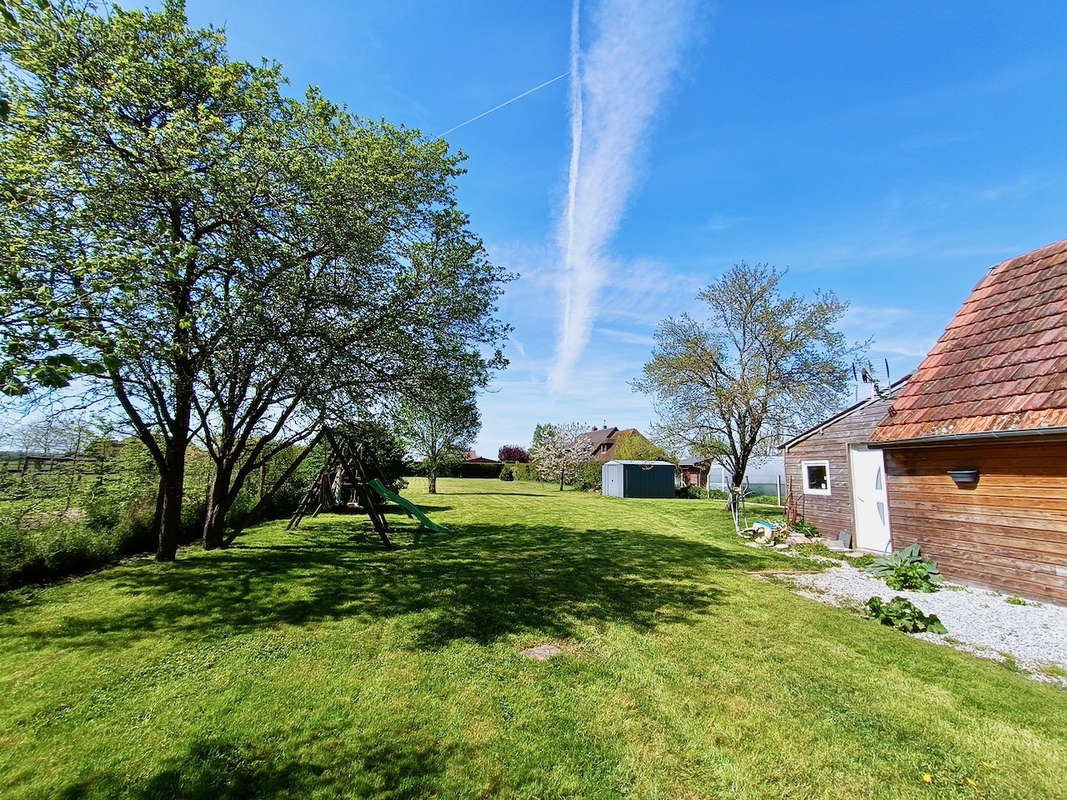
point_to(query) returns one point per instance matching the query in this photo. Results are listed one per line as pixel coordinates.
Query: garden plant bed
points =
(1026, 634)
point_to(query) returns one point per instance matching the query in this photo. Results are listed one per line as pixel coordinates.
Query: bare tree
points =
(761, 366)
(559, 450)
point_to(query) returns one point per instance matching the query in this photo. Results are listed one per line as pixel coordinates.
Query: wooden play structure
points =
(352, 480)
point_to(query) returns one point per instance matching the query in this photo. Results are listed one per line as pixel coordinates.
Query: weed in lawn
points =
(861, 561)
(1053, 671)
(818, 550)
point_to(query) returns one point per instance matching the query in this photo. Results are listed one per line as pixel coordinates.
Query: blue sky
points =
(890, 157)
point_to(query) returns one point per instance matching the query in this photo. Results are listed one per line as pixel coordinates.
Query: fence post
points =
(778, 487)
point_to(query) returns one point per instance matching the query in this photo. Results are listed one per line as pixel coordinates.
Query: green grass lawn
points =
(316, 665)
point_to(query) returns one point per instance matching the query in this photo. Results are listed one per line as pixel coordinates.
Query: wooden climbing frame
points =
(348, 461)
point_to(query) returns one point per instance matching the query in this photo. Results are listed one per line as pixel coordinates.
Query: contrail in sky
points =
(616, 86)
(539, 86)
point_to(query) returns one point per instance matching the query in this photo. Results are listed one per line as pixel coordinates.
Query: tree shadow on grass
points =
(392, 508)
(476, 583)
(222, 770)
(446, 493)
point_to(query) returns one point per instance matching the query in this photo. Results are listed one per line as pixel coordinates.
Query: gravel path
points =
(978, 621)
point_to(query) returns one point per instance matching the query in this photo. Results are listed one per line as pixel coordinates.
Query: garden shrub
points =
(587, 476)
(524, 472)
(58, 523)
(506, 473)
(52, 548)
(718, 494)
(476, 469)
(691, 493)
(805, 528)
(902, 614)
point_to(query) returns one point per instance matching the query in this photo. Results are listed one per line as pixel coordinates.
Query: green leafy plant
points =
(861, 562)
(587, 476)
(805, 528)
(906, 569)
(692, 493)
(903, 615)
(523, 472)
(506, 474)
(914, 577)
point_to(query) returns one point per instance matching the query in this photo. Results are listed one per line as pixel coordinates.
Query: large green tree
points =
(210, 252)
(337, 335)
(635, 447)
(761, 365)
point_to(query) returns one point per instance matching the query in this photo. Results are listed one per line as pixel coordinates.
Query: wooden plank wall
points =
(832, 513)
(1008, 531)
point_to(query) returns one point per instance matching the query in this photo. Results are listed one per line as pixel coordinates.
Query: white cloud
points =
(626, 337)
(616, 86)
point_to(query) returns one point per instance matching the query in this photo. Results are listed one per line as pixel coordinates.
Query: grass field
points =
(318, 666)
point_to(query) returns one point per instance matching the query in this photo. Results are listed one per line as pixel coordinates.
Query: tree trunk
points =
(736, 482)
(170, 518)
(157, 519)
(218, 506)
(562, 475)
(173, 483)
(431, 479)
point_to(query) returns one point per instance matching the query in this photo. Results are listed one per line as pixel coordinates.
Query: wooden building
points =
(976, 442)
(836, 481)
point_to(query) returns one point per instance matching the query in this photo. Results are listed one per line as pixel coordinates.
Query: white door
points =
(869, 499)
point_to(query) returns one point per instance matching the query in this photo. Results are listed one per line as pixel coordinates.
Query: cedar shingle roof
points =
(1001, 364)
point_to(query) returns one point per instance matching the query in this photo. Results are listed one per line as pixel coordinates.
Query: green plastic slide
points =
(412, 509)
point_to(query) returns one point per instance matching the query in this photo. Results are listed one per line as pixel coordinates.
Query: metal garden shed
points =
(637, 479)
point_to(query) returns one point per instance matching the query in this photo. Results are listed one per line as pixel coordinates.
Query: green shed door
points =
(654, 481)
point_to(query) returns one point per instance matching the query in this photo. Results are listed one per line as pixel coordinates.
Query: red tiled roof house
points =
(976, 442)
(603, 441)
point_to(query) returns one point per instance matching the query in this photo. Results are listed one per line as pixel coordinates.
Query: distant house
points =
(603, 441)
(694, 472)
(763, 476)
(976, 443)
(475, 466)
(836, 481)
(474, 459)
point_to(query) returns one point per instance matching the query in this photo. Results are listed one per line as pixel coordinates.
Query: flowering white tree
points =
(559, 451)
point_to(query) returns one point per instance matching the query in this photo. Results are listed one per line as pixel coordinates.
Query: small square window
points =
(816, 477)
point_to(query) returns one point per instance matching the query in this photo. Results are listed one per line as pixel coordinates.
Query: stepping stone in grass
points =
(541, 652)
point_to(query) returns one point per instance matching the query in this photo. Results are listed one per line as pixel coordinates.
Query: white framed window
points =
(816, 476)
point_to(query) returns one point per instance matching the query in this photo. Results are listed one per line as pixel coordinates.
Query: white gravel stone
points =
(978, 621)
